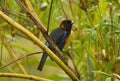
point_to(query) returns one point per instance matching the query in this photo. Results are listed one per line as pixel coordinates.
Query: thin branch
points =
(70, 3)
(89, 17)
(84, 6)
(20, 16)
(16, 33)
(72, 58)
(63, 10)
(49, 16)
(24, 76)
(1, 53)
(23, 57)
(31, 10)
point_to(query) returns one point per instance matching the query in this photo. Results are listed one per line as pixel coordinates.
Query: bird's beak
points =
(70, 24)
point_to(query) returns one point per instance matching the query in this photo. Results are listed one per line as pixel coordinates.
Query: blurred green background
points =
(95, 38)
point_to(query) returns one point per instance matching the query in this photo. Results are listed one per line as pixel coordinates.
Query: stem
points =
(70, 3)
(25, 76)
(49, 16)
(89, 17)
(72, 58)
(1, 54)
(30, 8)
(20, 58)
(63, 10)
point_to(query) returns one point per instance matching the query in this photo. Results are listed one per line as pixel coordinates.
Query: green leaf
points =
(90, 68)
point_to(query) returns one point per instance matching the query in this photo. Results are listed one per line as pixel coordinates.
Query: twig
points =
(1, 54)
(49, 16)
(9, 12)
(72, 58)
(16, 33)
(84, 6)
(25, 76)
(89, 17)
(31, 10)
(20, 59)
(63, 10)
(70, 3)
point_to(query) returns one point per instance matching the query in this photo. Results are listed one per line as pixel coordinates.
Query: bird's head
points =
(66, 24)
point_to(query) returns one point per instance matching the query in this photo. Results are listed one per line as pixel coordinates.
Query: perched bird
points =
(59, 36)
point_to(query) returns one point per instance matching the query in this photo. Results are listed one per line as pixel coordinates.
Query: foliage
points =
(95, 38)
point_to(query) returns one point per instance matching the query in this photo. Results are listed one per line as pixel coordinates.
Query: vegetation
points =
(93, 49)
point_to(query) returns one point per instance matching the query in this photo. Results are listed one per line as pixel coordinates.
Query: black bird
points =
(59, 36)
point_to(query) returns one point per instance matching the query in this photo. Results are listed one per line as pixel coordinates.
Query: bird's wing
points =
(58, 35)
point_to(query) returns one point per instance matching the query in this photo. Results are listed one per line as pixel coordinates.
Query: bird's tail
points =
(42, 62)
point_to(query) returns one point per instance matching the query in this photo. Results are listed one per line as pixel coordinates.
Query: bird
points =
(59, 36)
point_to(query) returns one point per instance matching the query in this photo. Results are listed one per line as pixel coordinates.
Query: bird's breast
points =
(66, 39)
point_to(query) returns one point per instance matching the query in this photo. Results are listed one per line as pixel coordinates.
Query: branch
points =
(70, 3)
(66, 16)
(1, 54)
(20, 58)
(17, 15)
(25, 76)
(72, 58)
(49, 16)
